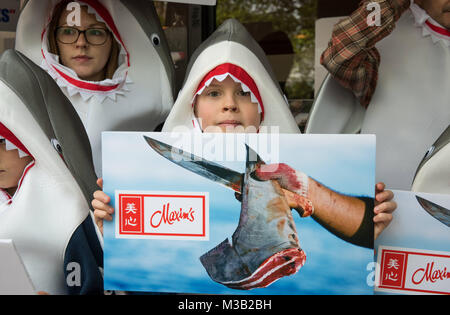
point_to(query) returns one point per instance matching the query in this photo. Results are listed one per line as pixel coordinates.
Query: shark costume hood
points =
(232, 51)
(138, 96)
(48, 217)
(411, 105)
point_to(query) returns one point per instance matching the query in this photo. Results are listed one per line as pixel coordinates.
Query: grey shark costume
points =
(140, 94)
(231, 44)
(48, 218)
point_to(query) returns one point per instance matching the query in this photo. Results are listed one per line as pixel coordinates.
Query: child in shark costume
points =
(48, 216)
(273, 249)
(138, 96)
(238, 56)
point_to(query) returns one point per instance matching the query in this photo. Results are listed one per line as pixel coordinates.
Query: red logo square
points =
(131, 214)
(393, 269)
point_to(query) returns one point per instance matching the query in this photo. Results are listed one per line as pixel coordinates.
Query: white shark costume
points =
(228, 51)
(411, 105)
(257, 254)
(140, 94)
(48, 217)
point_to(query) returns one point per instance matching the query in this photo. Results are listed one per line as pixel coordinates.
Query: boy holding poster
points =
(230, 88)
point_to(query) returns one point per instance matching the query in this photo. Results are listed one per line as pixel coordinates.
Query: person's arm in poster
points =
(349, 218)
(353, 219)
(351, 56)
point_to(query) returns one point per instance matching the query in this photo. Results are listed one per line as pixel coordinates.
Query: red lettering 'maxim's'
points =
(170, 217)
(429, 274)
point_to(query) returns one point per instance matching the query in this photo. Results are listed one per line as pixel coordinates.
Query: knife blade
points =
(207, 169)
(438, 212)
(213, 171)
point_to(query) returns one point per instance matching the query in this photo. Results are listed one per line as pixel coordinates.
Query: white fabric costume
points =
(227, 52)
(411, 105)
(140, 94)
(45, 214)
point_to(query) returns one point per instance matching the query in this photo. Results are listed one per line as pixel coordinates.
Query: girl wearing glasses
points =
(90, 49)
(109, 58)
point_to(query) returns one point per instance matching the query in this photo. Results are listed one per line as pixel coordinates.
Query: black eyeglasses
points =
(70, 35)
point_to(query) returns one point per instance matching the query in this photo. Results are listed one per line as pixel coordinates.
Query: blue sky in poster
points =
(344, 163)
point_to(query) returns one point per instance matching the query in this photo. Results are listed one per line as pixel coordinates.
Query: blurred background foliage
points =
(294, 17)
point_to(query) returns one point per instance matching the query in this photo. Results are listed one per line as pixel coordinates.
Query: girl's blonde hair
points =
(113, 61)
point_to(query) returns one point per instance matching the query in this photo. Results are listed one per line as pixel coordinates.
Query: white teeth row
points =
(10, 146)
(222, 77)
(421, 16)
(85, 94)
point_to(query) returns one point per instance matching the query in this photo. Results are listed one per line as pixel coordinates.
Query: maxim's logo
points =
(162, 215)
(404, 270)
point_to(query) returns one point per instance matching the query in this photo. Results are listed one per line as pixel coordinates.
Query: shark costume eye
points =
(56, 145)
(155, 39)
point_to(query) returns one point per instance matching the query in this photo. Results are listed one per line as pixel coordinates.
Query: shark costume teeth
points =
(232, 45)
(220, 73)
(429, 26)
(48, 217)
(140, 94)
(9, 145)
(12, 143)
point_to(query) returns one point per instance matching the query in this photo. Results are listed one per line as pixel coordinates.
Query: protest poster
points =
(413, 252)
(181, 227)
